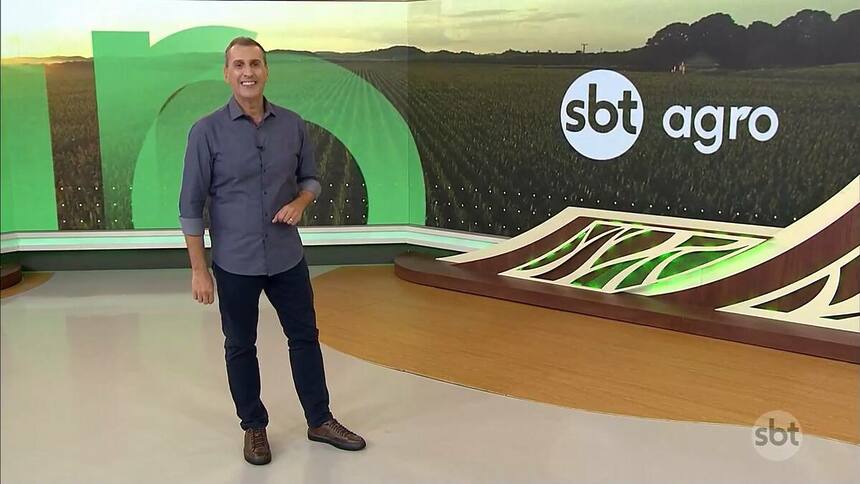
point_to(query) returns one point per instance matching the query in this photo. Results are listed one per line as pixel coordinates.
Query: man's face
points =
(245, 71)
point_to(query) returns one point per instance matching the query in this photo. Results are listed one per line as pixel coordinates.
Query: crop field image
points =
(78, 169)
(495, 159)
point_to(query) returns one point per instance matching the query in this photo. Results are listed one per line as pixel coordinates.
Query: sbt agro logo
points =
(602, 116)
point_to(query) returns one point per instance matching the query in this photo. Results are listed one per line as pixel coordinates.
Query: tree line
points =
(810, 37)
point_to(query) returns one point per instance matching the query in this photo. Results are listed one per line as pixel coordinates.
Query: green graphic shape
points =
(149, 98)
(638, 276)
(598, 278)
(690, 261)
(558, 252)
(133, 80)
(737, 262)
(27, 196)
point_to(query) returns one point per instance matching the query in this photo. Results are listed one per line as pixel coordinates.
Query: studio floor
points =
(118, 376)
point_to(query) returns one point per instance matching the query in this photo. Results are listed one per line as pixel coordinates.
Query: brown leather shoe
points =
(332, 432)
(257, 450)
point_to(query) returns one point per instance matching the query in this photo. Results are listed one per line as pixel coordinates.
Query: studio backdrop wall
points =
(701, 155)
(483, 116)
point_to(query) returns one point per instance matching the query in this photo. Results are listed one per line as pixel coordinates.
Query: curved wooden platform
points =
(10, 274)
(576, 360)
(29, 281)
(633, 308)
(794, 288)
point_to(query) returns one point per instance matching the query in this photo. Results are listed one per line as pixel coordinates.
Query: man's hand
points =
(291, 213)
(202, 287)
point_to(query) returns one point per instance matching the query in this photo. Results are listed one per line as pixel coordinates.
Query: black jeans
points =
(291, 295)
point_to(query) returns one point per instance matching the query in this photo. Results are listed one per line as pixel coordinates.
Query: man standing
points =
(254, 162)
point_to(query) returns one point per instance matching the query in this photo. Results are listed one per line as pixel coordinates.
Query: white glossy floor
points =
(118, 376)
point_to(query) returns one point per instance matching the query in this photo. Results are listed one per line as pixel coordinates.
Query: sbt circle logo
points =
(777, 435)
(602, 114)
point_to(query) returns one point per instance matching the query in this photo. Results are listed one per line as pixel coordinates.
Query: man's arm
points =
(308, 179)
(202, 287)
(291, 213)
(196, 177)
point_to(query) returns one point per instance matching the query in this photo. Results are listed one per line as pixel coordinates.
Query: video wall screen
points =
(479, 116)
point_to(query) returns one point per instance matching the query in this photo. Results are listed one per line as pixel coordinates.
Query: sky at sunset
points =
(62, 27)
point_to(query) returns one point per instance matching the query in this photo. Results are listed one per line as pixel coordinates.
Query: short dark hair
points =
(247, 41)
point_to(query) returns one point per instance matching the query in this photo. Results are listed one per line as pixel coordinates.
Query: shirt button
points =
(265, 193)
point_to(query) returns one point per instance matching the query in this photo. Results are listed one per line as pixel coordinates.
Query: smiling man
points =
(255, 164)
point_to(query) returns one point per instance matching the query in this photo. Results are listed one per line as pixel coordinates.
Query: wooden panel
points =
(10, 275)
(818, 252)
(650, 311)
(576, 360)
(849, 281)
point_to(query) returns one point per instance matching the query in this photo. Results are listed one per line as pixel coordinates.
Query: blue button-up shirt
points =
(248, 173)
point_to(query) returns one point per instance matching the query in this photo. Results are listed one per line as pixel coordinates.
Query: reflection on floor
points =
(118, 376)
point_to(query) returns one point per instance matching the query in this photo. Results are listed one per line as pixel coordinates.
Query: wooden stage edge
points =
(10, 275)
(29, 280)
(797, 338)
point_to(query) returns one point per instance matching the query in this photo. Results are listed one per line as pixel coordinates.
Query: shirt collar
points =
(236, 111)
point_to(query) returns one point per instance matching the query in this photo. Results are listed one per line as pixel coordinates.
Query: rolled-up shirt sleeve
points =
(196, 177)
(306, 169)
